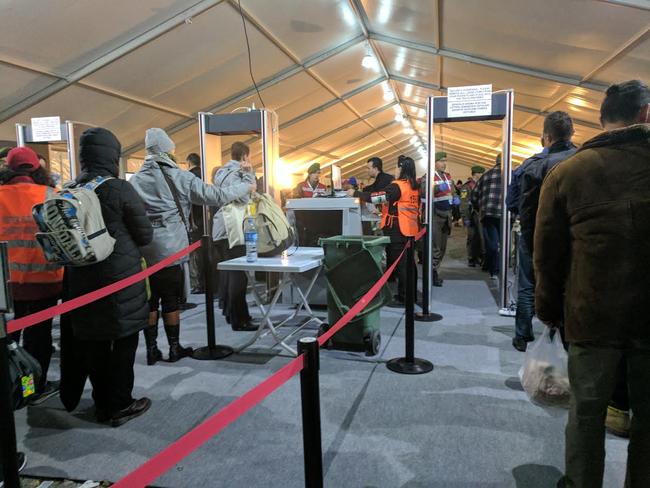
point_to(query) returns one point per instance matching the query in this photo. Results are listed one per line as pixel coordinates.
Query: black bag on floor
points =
(24, 374)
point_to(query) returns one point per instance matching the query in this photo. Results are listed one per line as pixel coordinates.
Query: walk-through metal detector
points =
(437, 113)
(212, 127)
(70, 132)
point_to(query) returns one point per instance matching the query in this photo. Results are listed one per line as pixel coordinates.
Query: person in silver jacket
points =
(232, 284)
(160, 183)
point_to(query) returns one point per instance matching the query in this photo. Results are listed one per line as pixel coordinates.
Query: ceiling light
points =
(399, 117)
(409, 131)
(414, 139)
(388, 96)
(369, 61)
(405, 122)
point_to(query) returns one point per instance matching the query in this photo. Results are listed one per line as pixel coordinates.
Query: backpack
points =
(274, 232)
(73, 231)
(24, 374)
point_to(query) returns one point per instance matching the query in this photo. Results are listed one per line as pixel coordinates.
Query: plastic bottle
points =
(250, 237)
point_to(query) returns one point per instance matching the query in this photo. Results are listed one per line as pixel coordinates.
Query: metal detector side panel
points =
(242, 123)
(5, 290)
(499, 110)
(270, 154)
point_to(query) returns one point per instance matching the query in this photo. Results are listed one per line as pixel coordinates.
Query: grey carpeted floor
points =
(466, 424)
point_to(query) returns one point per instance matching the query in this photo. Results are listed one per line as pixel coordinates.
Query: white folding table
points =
(299, 261)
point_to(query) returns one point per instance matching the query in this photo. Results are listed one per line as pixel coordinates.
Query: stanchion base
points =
(427, 317)
(405, 366)
(208, 353)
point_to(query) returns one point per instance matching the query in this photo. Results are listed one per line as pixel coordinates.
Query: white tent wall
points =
(159, 62)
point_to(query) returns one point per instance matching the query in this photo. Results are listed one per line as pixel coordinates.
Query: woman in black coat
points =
(107, 330)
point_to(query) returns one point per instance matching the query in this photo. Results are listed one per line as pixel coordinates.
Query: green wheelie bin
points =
(353, 264)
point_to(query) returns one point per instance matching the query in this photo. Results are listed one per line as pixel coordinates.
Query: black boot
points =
(153, 353)
(176, 351)
(436, 281)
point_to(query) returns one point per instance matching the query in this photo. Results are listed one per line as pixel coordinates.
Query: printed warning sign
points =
(46, 129)
(469, 101)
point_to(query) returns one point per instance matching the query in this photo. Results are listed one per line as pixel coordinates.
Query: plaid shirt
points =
(486, 197)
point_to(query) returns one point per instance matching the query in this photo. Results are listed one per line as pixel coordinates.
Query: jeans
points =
(593, 369)
(492, 235)
(525, 293)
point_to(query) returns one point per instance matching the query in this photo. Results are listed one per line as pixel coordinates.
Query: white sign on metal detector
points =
(469, 101)
(45, 129)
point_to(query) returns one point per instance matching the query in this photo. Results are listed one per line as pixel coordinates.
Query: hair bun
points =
(613, 90)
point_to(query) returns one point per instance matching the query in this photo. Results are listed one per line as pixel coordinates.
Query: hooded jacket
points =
(125, 312)
(170, 231)
(227, 179)
(592, 259)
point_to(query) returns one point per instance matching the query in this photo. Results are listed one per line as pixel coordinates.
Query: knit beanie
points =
(314, 168)
(478, 169)
(441, 155)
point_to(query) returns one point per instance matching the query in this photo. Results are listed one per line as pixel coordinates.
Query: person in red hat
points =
(35, 283)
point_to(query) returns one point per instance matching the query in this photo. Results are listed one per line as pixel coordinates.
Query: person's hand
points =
(252, 188)
(350, 192)
(551, 324)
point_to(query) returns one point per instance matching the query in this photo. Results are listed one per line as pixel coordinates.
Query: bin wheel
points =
(321, 330)
(373, 341)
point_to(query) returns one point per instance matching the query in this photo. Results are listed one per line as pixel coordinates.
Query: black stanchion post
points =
(410, 364)
(310, 396)
(426, 315)
(212, 350)
(8, 453)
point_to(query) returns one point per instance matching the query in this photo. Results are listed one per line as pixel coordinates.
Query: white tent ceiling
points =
(155, 63)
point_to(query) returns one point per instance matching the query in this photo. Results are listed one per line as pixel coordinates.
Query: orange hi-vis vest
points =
(408, 210)
(27, 262)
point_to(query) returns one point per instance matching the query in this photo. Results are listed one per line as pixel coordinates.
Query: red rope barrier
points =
(48, 313)
(175, 452)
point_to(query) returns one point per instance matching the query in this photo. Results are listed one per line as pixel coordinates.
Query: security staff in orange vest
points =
(35, 283)
(400, 218)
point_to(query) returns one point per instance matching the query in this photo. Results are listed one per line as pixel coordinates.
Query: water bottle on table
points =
(250, 237)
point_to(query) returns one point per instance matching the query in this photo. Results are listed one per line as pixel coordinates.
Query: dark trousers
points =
(197, 268)
(492, 235)
(593, 372)
(37, 339)
(525, 292)
(393, 252)
(110, 368)
(232, 287)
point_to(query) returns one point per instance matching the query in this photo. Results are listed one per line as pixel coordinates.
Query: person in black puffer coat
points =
(107, 330)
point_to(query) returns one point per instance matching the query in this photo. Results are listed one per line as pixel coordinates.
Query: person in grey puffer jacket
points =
(171, 232)
(232, 284)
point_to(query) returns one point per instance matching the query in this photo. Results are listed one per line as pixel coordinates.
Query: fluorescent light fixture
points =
(414, 139)
(388, 96)
(369, 61)
(399, 118)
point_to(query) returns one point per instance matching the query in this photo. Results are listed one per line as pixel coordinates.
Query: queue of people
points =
(583, 259)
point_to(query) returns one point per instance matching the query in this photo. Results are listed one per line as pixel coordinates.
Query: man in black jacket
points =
(558, 130)
(382, 180)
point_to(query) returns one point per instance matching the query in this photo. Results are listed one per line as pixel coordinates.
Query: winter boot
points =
(436, 280)
(150, 337)
(176, 351)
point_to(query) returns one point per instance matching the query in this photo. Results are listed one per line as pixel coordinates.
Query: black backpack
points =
(24, 374)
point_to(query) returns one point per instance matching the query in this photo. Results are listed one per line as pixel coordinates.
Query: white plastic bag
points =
(545, 375)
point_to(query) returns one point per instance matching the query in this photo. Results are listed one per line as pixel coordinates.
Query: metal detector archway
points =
(262, 123)
(437, 112)
(69, 133)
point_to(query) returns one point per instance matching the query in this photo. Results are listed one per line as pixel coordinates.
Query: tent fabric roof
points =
(130, 65)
